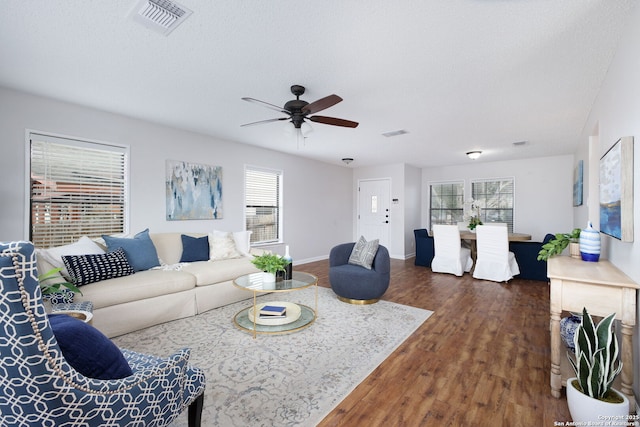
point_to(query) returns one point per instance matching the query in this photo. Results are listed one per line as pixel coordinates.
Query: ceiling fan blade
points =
(333, 121)
(265, 121)
(266, 104)
(321, 104)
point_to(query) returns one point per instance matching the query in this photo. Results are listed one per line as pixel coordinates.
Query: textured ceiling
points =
(458, 75)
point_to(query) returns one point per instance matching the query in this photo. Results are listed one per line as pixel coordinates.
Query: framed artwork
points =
(194, 191)
(616, 190)
(577, 183)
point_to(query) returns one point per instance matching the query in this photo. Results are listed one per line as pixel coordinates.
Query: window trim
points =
(72, 141)
(280, 173)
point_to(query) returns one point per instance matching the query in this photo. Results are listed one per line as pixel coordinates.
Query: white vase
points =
(589, 411)
(268, 280)
(590, 244)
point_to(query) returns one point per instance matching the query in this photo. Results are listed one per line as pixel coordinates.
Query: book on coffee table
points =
(273, 310)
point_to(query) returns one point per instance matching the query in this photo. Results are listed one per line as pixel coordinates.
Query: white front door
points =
(373, 210)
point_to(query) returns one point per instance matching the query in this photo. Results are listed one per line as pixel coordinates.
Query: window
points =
(446, 203)
(77, 188)
(495, 197)
(263, 201)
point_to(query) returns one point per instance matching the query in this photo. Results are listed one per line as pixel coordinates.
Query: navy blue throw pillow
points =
(195, 248)
(88, 350)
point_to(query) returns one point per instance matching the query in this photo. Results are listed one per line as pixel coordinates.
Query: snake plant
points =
(596, 361)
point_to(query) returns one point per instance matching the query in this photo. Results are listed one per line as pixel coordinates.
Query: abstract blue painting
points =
(616, 190)
(194, 191)
(577, 183)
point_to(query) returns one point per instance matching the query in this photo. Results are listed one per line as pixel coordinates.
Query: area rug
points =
(282, 380)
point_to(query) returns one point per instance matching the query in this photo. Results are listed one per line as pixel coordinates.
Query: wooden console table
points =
(602, 289)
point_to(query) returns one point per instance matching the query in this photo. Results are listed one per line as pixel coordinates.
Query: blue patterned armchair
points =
(38, 387)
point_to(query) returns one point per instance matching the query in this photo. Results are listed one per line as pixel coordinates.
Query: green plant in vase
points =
(48, 286)
(558, 244)
(270, 263)
(590, 395)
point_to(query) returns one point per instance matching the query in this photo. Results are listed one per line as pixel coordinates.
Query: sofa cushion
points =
(140, 251)
(194, 248)
(87, 350)
(222, 245)
(363, 253)
(143, 284)
(85, 269)
(209, 272)
(53, 256)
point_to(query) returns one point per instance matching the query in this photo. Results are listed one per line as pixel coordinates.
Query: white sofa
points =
(155, 296)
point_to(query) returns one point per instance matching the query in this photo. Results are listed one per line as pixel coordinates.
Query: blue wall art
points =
(193, 191)
(577, 183)
(616, 190)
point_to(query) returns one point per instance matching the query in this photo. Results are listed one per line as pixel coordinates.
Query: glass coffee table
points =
(298, 316)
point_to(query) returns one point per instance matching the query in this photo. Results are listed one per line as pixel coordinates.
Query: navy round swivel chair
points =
(355, 284)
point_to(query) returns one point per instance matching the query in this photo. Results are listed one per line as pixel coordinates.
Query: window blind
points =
(78, 188)
(446, 203)
(496, 199)
(263, 204)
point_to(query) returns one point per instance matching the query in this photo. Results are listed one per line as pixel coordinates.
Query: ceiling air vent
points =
(162, 16)
(394, 133)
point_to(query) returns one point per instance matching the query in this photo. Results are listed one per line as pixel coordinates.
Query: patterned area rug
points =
(285, 380)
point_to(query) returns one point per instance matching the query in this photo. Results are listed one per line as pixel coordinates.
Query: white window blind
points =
(78, 188)
(446, 203)
(496, 200)
(263, 189)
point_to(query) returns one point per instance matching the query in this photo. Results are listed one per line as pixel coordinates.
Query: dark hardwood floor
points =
(482, 358)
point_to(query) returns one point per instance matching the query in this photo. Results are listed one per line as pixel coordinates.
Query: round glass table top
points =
(253, 282)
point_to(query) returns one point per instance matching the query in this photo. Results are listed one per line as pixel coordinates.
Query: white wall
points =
(412, 207)
(543, 190)
(318, 197)
(616, 113)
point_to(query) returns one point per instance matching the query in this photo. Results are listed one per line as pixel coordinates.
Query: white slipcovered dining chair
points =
(450, 256)
(494, 261)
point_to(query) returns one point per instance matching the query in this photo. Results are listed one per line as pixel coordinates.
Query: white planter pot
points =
(586, 409)
(268, 280)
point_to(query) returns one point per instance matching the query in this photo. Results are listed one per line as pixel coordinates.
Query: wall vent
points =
(162, 16)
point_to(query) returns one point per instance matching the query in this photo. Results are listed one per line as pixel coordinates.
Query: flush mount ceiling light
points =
(347, 160)
(474, 154)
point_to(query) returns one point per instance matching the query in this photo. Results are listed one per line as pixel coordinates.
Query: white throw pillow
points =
(243, 242)
(222, 245)
(84, 246)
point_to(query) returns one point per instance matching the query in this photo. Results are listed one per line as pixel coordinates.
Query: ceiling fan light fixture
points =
(474, 154)
(305, 129)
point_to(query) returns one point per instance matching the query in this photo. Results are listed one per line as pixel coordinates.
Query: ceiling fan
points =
(298, 111)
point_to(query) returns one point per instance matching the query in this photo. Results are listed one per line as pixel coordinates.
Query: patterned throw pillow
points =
(85, 269)
(364, 252)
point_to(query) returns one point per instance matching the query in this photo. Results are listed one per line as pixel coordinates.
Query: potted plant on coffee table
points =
(270, 264)
(589, 395)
